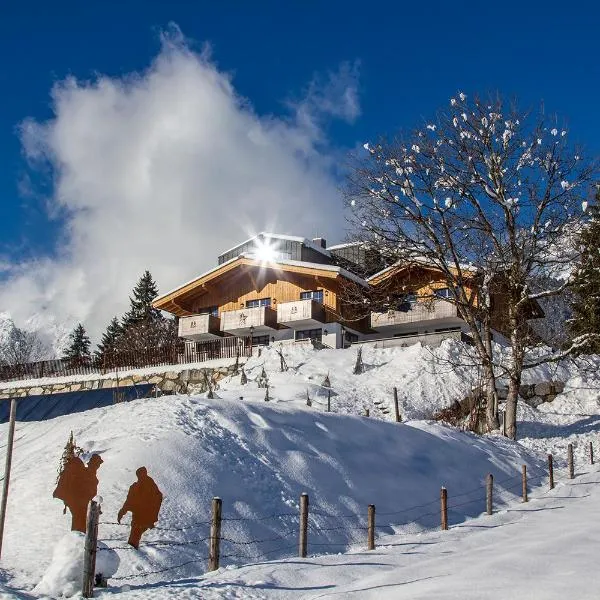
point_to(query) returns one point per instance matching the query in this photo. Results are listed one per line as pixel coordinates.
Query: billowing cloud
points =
(163, 170)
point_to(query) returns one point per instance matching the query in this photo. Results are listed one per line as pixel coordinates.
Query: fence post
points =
(89, 551)
(396, 407)
(524, 482)
(7, 467)
(444, 507)
(570, 461)
(215, 534)
(591, 453)
(371, 528)
(367, 412)
(303, 540)
(489, 490)
(550, 472)
(328, 400)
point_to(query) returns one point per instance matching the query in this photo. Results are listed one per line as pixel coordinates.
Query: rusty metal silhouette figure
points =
(143, 501)
(77, 485)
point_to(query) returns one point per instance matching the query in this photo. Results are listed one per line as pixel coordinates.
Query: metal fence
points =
(181, 352)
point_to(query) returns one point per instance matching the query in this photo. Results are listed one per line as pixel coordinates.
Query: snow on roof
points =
(293, 263)
(281, 236)
(345, 245)
(201, 276)
(415, 261)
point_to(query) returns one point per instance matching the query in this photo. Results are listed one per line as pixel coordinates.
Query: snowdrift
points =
(258, 457)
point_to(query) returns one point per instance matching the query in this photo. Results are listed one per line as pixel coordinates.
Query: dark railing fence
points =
(180, 352)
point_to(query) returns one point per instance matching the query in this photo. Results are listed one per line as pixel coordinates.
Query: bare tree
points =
(484, 193)
(22, 347)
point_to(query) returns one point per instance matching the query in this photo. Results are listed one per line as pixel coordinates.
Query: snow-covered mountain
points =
(53, 334)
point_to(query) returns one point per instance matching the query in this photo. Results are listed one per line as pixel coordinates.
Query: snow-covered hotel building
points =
(279, 288)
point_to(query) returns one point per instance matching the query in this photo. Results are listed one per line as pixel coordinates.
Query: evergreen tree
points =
(586, 305)
(78, 352)
(141, 309)
(110, 339)
(144, 328)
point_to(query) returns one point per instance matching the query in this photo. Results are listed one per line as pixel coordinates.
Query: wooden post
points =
(215, 535)
(524, 482)
(489, 490)
(444, 508)
(591, 453)
(7, 466)
(367, 413)
(550, 472)
(570, 461)
(371, 527)
(89, 551)
(396, 407)
(328, 400)
(303, 539)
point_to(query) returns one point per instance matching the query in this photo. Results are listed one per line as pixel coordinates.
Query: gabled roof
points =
(406, 264)
(168, 301)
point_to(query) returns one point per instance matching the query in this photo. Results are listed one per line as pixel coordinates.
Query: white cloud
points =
(163, 170)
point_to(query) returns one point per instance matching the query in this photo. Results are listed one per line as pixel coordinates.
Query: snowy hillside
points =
(258, 457)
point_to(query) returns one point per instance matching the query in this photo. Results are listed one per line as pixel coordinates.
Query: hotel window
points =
(259, 302)
(444, 293)
(309, 334)
(316, 295)
(260, 340)
(209, 310)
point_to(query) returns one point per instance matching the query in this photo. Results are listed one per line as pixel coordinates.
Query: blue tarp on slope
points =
(41, 408)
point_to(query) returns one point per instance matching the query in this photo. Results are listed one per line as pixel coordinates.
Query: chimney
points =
(320, 242)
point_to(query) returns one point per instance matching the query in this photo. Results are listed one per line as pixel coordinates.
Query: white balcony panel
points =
(262, 319)
(199, 327)
(435, 310)
(301, 314)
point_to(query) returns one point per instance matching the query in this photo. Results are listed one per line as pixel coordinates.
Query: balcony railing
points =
(414, 313)
(200, 327)
(300, 313)
(240, 322)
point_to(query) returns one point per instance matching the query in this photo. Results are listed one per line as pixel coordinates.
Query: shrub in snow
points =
(63, 577)
(263, 380)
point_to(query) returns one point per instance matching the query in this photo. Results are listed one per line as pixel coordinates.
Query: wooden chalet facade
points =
(272, 298)
(278, 288)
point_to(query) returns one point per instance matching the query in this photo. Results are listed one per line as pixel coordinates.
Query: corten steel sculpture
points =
(143, 501)
(77, 485)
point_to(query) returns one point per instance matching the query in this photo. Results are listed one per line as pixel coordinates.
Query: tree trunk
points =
(511, 409)
(491, 392)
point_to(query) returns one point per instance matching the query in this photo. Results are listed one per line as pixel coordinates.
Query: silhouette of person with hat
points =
(143, 501)
(77, 485)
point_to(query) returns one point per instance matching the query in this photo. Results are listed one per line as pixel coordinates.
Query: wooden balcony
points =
(301, 314)
(431, 310)
(262, 319)
(200, 327)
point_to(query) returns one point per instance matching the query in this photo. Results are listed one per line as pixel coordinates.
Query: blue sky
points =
(408, 59)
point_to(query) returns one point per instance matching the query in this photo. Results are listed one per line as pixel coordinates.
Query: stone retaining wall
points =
(187, 381)
(535, 394)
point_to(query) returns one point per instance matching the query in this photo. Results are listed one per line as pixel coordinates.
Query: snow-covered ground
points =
(544, 550)
(259, 457)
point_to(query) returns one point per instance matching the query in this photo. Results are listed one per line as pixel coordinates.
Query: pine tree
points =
(144, 327)
(109, 342)
(141, 308)
(586, 306)
(78, 352)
